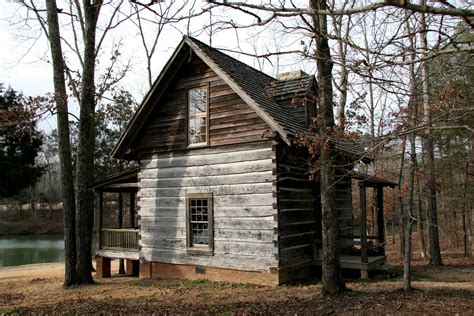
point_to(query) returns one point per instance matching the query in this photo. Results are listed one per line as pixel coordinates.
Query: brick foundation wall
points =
(145, 270)
(102, 267)
(158, 270)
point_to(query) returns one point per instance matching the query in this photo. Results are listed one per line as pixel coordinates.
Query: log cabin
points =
(220, 192)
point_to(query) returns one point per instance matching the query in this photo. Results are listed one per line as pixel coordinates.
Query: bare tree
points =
(333, 282)
(70, 275)
(435, 252)
(165, 14)
(85, 47)
(413, 166)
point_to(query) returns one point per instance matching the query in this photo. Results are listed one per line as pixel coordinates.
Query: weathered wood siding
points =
(299, 208)
(344, 206)
(296, 208)
(241, 180)
(232, 121)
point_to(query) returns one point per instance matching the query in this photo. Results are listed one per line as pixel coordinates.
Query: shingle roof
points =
(272, 99)
(352, 148)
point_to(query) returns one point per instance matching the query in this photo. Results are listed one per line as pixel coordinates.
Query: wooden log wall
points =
(296, 209)
(299, 209)
(241, 180)
(344, 207)
(232, 121)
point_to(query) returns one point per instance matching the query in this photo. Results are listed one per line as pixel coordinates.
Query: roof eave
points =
(252, 103)
(120, 147)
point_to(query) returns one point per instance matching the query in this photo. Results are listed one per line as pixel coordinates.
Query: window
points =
(200, 230)
(197, 116)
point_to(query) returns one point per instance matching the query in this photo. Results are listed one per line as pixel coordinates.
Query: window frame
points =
(206, 143)
(206, 250)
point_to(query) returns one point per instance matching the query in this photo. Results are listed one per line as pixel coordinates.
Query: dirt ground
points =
(38, 289)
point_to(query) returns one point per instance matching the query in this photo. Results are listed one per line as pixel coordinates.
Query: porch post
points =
(100, 218)
(132, 209)
(120, 222)
(120, 210)
(380, 219)
(363, 223)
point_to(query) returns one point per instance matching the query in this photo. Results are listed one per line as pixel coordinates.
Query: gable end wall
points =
(231, 120)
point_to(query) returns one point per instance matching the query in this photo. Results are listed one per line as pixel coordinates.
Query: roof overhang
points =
(368, 180)
(228, 80)
(126, 181)
(180, 55)
(151, 98)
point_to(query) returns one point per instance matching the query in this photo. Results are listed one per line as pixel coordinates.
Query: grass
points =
(6, 310)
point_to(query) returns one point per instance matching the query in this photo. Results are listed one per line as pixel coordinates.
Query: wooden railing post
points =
(132, 209)
(120, 223)
(380, 219)
(100, 205)
(363, 223)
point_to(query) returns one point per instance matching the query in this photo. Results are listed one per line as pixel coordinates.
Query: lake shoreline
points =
(30, 266)
(18, 250)
(27, 222)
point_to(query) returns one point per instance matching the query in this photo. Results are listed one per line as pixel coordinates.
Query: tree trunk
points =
(332, 281)
(435, 252)
(413, 167)
(393, 220)
(421, 231)
(455, 229)
(407, 256)
(410, 212)
(344, 73)
(85, 147)
(466, 234)
(65, 159)
(400, 198)
(466, 226)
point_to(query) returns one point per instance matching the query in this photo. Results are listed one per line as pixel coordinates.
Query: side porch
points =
(117, 232)
(359, 250)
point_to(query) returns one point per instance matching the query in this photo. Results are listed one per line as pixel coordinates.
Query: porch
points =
(361, 251)
(117, 232)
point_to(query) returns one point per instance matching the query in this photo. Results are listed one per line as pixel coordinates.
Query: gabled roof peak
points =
(249, 83)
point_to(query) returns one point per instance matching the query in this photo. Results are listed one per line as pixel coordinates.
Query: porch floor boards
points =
(355, 262)
(118, 253)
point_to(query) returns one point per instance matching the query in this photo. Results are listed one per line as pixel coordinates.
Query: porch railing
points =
(119, 239)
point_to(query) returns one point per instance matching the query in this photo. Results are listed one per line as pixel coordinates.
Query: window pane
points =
(197, 130)
(197, 101)
(197, 108)
(199, 221)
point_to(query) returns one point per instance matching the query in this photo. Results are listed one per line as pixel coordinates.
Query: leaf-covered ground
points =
(37, 289)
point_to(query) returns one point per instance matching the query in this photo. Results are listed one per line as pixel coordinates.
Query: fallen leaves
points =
(32, 294)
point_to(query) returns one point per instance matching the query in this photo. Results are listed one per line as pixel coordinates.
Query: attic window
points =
(197, 116)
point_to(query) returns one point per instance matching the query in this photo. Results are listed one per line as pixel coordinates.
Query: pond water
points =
(17, 250)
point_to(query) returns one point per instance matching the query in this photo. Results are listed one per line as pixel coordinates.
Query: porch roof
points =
(372, 181)
(125, 181)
